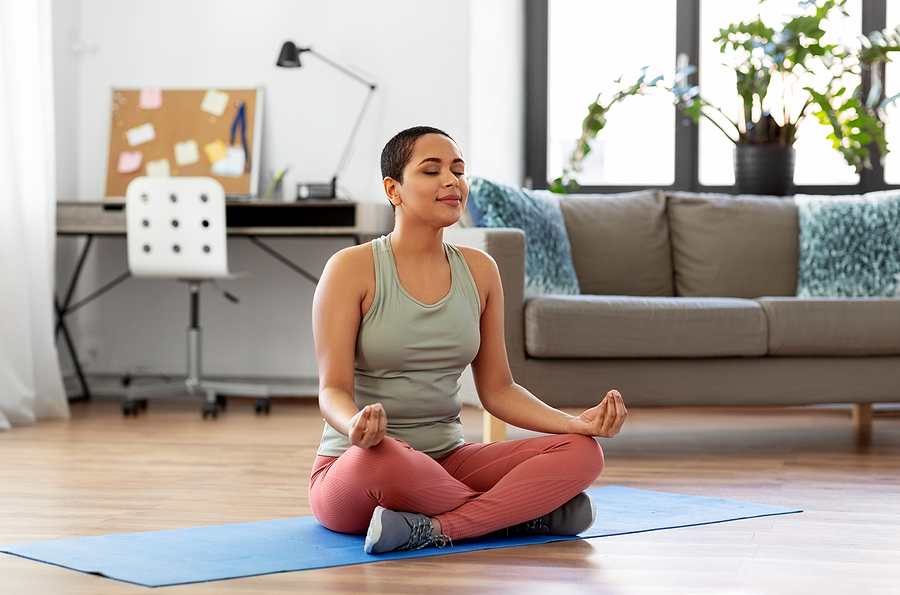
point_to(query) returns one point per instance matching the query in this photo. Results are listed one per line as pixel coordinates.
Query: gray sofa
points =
(690, 300)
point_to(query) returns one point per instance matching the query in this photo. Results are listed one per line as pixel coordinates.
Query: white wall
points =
(451, 64)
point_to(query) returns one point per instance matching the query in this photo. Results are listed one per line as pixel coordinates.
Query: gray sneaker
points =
(395, 531)
(571, 518)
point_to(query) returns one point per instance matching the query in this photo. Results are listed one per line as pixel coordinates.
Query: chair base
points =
(213, 393)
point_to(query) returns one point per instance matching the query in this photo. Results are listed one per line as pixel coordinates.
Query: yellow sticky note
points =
(214, 102)
(186, 152)
(215, 150)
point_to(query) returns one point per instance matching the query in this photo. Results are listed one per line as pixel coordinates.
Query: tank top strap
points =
(462, 276)
(384, 271)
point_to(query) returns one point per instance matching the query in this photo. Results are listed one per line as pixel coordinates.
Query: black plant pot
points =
(764, 169)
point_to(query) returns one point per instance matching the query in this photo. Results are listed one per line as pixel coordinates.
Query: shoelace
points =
(423, 535)
(535, 526)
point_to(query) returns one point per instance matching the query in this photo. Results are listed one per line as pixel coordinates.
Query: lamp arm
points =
(346, 155)
(349, 147)
(333, 64)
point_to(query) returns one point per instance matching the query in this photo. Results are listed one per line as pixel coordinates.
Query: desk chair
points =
(175, 228)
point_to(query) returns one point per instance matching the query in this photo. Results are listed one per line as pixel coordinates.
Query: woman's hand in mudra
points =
(368, 427)
(604, 420)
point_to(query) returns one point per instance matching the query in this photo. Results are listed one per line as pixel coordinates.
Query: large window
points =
(578, 48)
(892, 88)
(589, 49)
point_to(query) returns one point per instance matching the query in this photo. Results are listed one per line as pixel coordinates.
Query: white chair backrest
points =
(176, 228)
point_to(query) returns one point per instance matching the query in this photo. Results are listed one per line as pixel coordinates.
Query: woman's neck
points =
(418, 244)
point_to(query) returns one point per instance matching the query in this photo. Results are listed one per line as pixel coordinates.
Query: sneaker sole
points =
(373, 534)
(593, 514)
(576, 503)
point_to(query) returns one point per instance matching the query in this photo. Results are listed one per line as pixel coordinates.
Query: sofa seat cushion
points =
(593, 326)
(734, 246)
(620, 243)
(833, 326)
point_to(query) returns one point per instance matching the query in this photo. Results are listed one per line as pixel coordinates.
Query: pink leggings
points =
(473, 490)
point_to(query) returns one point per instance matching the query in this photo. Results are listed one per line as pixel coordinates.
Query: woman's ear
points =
(392, 190)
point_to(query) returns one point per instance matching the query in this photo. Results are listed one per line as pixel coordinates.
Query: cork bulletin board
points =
(193, 132)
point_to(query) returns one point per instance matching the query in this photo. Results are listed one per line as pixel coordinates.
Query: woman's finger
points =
(618, 413)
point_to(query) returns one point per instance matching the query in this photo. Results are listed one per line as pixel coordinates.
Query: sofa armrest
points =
(507, 247)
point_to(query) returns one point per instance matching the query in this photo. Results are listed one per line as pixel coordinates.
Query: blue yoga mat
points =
(179, 556)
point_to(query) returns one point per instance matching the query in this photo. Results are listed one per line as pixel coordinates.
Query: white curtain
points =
(30, 381)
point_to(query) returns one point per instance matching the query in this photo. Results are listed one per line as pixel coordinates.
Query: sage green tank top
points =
(410, 355)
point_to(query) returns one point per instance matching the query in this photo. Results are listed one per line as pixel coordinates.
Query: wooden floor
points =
(101, 473)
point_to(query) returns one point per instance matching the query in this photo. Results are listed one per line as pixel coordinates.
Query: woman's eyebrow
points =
(438, 160)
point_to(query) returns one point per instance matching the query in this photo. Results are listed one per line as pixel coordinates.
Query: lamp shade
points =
(289, 57)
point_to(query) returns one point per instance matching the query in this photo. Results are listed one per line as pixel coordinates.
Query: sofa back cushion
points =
(620, 243)
(734, 246)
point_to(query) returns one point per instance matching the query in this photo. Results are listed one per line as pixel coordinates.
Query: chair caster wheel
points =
(132, 408)
(210, 409)
(263, 405)
(222, 402)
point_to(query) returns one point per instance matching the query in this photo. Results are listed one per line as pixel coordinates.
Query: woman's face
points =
(434, 181)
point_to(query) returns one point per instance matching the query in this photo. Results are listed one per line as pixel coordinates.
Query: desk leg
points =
(67, 307)
(283, 259)
(63, 309)
(61, 326)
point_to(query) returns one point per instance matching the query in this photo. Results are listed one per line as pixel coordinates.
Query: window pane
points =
(591, 44)
(891, 88)
(816, 161)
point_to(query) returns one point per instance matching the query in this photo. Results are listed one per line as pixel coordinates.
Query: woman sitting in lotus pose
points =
(396, 321)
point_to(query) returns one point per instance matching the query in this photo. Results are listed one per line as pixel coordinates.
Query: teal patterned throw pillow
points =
(548, 254)
(849, 246)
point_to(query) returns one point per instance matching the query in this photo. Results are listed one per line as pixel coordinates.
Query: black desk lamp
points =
(290, 58)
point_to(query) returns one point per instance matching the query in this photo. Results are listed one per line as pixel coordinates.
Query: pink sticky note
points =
(129, 161)
(151, 99)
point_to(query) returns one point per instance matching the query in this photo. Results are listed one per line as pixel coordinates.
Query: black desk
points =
(251, 219)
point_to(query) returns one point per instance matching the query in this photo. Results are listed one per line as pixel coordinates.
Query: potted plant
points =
(783, 75)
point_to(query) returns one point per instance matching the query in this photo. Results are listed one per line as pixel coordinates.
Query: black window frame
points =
(687, 146)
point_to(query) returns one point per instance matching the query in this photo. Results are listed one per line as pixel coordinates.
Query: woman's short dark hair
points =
(398, 151)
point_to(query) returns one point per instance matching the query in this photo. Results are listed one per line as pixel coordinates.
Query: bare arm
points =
(499, 393)
(337, 312)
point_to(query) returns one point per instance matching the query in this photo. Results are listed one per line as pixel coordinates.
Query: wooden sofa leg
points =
(862, 418)
(494, 430)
